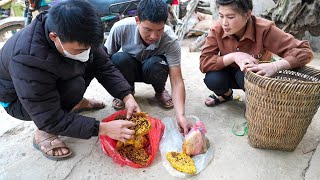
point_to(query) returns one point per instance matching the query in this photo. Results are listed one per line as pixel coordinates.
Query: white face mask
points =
(83, 57)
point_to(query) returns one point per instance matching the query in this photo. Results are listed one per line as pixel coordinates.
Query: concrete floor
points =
(233, 158)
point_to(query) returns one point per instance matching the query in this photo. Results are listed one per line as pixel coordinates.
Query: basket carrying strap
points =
(245, 129)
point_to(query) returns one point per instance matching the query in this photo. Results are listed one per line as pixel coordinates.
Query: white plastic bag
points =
(195, 141)
(172, 140)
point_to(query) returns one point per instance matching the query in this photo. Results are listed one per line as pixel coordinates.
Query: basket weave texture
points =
(280, 109)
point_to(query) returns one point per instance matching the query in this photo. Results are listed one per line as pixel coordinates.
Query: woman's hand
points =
(264, 69)
(269, 69)
(240, 58)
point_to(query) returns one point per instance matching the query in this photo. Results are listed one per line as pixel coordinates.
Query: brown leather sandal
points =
(164, 99)
(87, 105)
(46, 141)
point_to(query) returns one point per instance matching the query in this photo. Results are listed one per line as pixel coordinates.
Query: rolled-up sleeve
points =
(297, 53)
(210, 59)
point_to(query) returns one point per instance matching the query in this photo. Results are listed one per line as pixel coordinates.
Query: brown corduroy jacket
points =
(261, 39)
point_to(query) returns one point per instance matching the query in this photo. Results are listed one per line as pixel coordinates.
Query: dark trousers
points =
(221, 81)
(153, 70)
(71, 93)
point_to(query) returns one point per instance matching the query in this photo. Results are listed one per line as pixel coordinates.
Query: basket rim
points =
(250, 73)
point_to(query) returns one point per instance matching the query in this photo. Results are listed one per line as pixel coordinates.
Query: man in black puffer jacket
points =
(45, 69)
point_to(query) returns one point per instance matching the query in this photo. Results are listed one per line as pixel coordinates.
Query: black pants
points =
(153, 70)
(71, 92)
(221, 81)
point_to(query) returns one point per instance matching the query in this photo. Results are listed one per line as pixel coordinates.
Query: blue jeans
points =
(153, 70)
(221, 81)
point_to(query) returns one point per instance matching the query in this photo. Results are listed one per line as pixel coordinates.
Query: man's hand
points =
(131, 105)
(117, 129)
(184, 125)
(178, 98)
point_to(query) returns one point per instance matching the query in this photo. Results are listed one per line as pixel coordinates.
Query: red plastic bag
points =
(109, 145)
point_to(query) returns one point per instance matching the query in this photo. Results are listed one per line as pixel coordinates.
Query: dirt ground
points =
(233, 158)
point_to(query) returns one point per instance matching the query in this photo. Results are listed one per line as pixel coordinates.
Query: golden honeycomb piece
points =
(134, 149)
(181, 162)
(143, 125)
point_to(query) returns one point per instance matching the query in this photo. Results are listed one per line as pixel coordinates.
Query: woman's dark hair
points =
(241, 6)
(76, 21)
(155, 11)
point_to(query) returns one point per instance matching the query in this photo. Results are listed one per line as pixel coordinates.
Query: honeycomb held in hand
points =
(142, 126)
(138, 142)
(135, 149)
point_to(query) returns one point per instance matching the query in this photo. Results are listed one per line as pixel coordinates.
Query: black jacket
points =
(31, 66)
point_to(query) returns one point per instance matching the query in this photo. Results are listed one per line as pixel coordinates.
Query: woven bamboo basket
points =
(280, 109)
